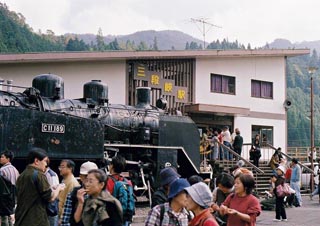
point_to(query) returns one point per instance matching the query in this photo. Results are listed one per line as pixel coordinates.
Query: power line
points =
(203, 29)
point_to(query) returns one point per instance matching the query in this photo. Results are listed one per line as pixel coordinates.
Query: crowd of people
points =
(211, 140)
(191, 202)
(36, 197)
(93, 200)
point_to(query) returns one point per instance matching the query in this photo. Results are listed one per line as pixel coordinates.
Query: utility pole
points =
(311, 71)
(203, 30)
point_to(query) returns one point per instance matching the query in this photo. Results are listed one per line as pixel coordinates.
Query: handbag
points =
(283, 190)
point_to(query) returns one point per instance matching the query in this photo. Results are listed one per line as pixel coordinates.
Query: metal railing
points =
(242, 157)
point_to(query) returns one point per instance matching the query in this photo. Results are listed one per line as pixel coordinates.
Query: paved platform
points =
(307, 215)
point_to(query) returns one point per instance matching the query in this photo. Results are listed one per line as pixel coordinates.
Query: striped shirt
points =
(9, 172)
(170, 218)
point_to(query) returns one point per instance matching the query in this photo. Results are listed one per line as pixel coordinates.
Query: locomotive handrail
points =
(239, 156)
(155, 147)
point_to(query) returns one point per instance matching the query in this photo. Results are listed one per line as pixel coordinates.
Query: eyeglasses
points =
(62, 167)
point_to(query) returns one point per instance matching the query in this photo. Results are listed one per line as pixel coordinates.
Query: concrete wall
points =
(75, 75)
(270, 69)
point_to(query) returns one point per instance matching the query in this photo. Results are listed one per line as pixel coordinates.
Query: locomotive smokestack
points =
(143, 97)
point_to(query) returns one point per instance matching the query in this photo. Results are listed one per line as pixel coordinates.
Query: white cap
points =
(87, 166)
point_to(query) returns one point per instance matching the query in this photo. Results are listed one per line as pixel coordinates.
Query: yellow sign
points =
(155, 79)
(181, 94)
(141, 72)
(168, 87)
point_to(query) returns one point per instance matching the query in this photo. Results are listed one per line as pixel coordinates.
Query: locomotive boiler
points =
(93, 128)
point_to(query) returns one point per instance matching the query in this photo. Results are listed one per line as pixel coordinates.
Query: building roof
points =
(131, 55)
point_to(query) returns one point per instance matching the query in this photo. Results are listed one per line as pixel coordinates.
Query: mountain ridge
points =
(166, 39)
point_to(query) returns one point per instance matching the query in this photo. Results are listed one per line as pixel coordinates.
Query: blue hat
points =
(177, 186)
(168, 175)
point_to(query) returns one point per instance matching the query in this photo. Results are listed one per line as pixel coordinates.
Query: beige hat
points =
(87, 166)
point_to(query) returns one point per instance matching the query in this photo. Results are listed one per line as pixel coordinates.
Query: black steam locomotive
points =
(93, 129)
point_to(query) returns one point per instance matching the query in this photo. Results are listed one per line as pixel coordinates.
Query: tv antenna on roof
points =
(204, 30)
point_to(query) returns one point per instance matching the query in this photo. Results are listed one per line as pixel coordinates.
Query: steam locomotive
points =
(91, 128)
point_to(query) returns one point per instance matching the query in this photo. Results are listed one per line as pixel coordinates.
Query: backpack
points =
(52, 208)
(123, 191)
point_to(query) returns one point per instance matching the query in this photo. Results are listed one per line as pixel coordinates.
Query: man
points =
(167, 176)
(237, 142)
(71, 203)
(32, 197)
(66, 169)
(225, 183)
(226, 137)
(11, 174)
(296, 179)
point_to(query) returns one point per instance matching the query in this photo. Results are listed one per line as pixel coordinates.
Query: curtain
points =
(216, 83)
(255, 88)
(266, 89)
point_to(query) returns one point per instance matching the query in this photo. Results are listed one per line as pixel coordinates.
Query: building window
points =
(265, 133)
(261, 89)
(223, 84)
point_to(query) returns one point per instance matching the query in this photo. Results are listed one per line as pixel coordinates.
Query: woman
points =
(199, 200)
(241, 207)
(255, 152)
(280, 210)
(172, 212)
(100, 208)
(274, 162)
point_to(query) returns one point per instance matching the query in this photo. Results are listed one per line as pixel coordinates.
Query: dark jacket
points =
(159, 197)
(238, 142)
(7, 197)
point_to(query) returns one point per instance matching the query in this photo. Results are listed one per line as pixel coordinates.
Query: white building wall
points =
(75, 75)
(270, 69)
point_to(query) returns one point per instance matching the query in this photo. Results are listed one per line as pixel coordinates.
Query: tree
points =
(101, 46)
(142, 46)
(155, 44)
(187, 45)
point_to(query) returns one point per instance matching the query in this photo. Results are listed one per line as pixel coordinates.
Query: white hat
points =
(282, 168)
(86, 167)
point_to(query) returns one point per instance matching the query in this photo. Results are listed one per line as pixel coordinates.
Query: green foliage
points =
(298, 91)
(17, 37)
(76, 45)
(225, 44)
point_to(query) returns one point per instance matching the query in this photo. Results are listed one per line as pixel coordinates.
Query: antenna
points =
(203, 30)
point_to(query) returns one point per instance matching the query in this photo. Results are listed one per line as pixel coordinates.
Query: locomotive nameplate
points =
(52, 128)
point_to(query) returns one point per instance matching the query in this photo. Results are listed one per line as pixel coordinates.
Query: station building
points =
(243, 89)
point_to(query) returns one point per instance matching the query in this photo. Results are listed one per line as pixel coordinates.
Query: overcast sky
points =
(248, 21)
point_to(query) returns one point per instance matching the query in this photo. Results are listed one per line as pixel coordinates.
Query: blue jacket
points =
(296, 174)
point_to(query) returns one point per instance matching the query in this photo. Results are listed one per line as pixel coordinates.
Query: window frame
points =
(262, 129)
(261, 83)
(221, 90)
